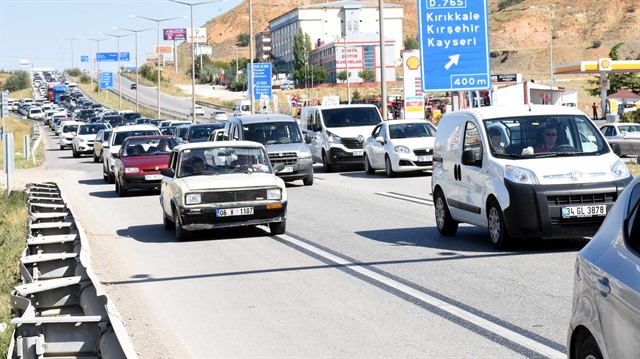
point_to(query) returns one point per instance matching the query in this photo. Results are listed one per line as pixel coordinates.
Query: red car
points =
(138, 163)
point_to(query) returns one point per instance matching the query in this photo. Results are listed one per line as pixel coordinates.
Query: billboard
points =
(174, 34)
(204, 50)
(163, 49)
(151, 56)
(413, 99)
(199, 35)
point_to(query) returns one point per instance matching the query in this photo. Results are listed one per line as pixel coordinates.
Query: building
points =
(263, 45)
(327, 23)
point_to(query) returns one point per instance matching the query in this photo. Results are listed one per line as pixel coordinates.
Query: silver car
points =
(605, 321)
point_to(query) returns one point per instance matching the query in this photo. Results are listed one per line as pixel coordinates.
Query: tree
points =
(410, 42)
(356, 95)
(75, 72)
(617, 81)
(342, 75)
(366, 75)
(19, 80)
(243, 40)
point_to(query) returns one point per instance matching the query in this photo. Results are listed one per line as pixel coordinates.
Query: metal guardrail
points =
(60, 309)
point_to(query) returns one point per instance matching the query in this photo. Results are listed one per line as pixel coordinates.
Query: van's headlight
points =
(131, 170)
(275, 193)
(520, 175)
(193, 198)
(401, 149)
(619, 170)
(333, 138)
(80, 139)
(304, 154)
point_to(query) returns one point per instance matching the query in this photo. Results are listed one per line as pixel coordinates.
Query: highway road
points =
(361, 272)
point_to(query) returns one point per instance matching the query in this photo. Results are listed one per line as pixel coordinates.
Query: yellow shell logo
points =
(605, 64)
(413, 63)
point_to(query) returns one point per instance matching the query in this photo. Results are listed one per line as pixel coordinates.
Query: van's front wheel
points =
(447, 226)
(328, 168)
(500, 238)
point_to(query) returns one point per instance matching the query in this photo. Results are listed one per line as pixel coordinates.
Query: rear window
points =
(121, 136)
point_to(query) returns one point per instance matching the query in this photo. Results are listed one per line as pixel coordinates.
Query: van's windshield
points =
(544, 136)
(271, 133)
(351, 116)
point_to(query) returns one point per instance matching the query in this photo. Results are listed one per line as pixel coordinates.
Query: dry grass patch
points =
(19, 128)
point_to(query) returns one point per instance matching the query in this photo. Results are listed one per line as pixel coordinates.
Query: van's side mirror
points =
(316, 127)
(167, 172)
(116, 155)
(307, 139)
(469, 158)
(616, 149)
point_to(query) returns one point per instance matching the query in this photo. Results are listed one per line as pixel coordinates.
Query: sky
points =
(36, 30)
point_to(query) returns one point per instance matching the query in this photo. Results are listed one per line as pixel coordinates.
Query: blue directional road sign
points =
(107, 56)
(261, 79)
(84, 58)
(124, 56)
(454, 45)
(106, 80)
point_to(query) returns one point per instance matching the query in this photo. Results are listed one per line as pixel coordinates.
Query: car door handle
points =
(603, 286)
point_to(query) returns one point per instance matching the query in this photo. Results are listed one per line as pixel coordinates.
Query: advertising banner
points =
(174, 34)
(199, 35)
(163, 49)
(413, 98)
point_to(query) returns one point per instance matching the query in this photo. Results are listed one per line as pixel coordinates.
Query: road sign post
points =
(106, 80)
(454, 45)
(8, 157)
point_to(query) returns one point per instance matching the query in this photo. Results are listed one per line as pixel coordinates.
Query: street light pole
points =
(136, 33)
(72, 40)
(158, 21)
(550, 10)
(346, 64)
(193, 62)
(98, 62)
(119, 74)
(251, 55)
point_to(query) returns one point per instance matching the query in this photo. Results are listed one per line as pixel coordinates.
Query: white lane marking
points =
(451, 309)
(406, 198)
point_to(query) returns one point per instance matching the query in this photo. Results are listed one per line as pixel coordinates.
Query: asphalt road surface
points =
(361, 272)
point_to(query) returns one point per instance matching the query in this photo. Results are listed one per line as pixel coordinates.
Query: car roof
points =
(210, 124)
(341, 106)
(392, 122)
(213, 144)
(149, 137)
(259, 118)
(490, 112)
(134, 128)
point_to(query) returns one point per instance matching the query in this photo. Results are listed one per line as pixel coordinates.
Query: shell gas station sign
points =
(413, 98)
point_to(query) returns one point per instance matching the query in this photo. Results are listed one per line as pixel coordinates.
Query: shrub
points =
(19, 80)
(507, 3)
(596, 44)
(75, 72)
(85, 79)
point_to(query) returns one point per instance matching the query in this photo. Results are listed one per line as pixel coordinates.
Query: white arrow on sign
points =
(453, 60)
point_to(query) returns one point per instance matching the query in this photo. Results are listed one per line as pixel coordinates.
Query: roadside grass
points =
(13, 233)
(20, 128)
(112, 100)
(24, 93)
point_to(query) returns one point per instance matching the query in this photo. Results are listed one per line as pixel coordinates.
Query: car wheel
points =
(500, 238)
(122, 192)
(75, 154)
(100, 157)
(61, 147)
(111, 179)
(278, 227)
(105, 174)
(387, 167)
(367, 166)
(166, 222)
(447, 226)
(95, 158)
(325, 163)
(181, 233)
(588, 349)
(308, 181)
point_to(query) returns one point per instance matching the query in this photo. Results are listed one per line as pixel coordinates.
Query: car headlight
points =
(304, 154)
(193, 198)
(275, 193)
(619, 170)
(80, 139)
(131, 170)
(401, 149)
(520, 175)
(333, 138)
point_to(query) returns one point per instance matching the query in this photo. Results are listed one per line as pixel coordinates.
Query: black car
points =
(134, 86)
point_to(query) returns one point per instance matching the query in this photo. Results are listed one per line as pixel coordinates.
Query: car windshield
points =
(544, 136)
(69, 128)
(629, 129)
(223, 161)
(89, 129)
(351, 116)
(121, 136)
(148, 146)
(270, 133)
(202, 133)
(410, 130)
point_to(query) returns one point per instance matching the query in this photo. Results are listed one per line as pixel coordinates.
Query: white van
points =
(534, 171)
(243, 107)
(338, 132)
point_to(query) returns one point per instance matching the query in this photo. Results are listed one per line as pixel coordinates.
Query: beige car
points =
(221, 184)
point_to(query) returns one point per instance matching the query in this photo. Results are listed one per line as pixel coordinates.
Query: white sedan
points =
(219, 115)
(399, 146)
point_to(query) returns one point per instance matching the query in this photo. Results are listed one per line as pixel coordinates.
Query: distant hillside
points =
(519, 35)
